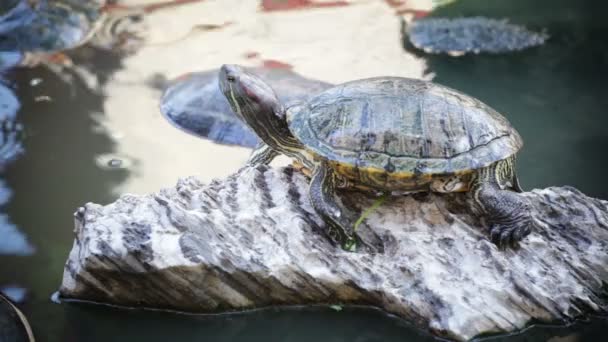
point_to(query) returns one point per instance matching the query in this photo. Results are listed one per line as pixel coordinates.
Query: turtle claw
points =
(350, 245)
(507, 212)
(505, 236)
(358, 243)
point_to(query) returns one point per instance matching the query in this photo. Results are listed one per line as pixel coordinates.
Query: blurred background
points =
(99, 98)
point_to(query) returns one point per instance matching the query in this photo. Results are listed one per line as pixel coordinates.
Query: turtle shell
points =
(196, 104)
(402, 125)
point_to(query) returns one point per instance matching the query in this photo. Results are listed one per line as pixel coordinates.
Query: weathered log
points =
(253, 240)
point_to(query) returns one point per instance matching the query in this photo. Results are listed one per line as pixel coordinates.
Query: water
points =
(553, 95)
(79, 121)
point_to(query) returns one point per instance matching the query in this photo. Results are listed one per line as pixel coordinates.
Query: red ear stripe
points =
(252, 95)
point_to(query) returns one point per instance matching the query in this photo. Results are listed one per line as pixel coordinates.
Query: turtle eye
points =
(230, 78)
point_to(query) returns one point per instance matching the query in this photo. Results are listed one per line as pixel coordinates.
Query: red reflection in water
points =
(57, 58)
(146, 8)
(268, 63)
(401, 8)
(274, 64)
(287, 5)
(395, 3)
(252, 54)
(183, 76)
(417, 13)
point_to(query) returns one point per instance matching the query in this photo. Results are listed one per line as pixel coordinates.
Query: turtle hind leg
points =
(339, 221)
(508, 213)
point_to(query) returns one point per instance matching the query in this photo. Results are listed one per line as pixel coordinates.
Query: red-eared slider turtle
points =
(196, 104)
(389, 134)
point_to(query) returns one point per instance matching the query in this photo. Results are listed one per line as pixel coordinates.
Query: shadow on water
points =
(285, 325)
(104, 323)
(555, 95)
(57, 174)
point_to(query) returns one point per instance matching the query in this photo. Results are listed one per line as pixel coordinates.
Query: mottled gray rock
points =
(252, 240)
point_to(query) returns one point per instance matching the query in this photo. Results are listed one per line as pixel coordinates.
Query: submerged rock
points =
(195, 103)
(459, 36)
(253, 240)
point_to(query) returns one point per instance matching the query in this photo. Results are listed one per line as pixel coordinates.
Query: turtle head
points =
(254, 101)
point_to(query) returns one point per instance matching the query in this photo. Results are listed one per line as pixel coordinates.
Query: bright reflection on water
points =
(94, 131)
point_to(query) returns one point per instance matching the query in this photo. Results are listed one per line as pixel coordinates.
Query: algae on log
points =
(253, 240)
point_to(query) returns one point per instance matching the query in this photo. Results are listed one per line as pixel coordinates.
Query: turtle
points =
(195, 103)
(388, 135)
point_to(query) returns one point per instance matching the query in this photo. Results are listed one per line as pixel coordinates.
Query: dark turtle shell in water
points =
(457, 36)
(13, 324)
(45, 25)
(196, 104)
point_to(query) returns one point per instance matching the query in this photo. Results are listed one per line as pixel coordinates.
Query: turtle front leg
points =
(340, 221)
(508, 213)
(262, 155)
(516, 185)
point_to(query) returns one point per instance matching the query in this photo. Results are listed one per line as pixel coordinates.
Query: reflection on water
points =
(13, 241)
(100, 323)
(8, 59)
(14, 293)
(101, 134)
(57, 173)
(286, 325)
(113, 161)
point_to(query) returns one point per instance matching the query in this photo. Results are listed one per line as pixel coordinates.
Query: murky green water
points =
(554, 95)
